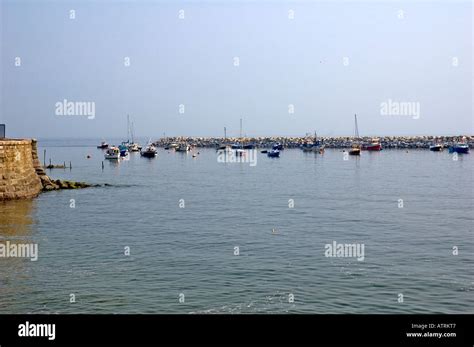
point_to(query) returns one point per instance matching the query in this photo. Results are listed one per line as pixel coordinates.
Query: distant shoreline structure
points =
(388, 142)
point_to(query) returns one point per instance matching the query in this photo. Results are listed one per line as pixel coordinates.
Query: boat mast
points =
(241, 144)
(356, 127)
(128, 128)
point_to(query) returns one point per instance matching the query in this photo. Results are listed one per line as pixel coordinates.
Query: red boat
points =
(373, 146)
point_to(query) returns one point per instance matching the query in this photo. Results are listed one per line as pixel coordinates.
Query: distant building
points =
(2, 131)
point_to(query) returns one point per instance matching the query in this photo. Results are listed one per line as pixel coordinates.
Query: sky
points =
(302, 66)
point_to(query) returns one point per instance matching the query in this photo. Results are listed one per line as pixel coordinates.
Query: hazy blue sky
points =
(190, 61)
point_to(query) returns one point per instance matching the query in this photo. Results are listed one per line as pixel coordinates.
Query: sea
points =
(186, 233)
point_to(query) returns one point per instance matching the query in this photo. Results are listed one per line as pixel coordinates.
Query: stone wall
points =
(19, 169)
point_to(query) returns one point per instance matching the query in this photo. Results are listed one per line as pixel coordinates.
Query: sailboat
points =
(355, 150)
(224, 146)
(132, 146)
(239, 149)
(125, 145)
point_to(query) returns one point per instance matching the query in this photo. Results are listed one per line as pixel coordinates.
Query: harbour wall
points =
(19, 169)
(394, 142)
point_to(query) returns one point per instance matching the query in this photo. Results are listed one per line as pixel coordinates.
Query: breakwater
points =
(394, 142)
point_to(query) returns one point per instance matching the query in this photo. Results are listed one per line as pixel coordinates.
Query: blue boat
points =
(274, 153)
(123, 150)
(459, 148)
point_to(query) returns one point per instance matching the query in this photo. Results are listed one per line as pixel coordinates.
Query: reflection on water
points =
(17, 224)
(17, 218)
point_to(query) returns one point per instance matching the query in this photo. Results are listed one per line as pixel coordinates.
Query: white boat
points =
(183, 147)
(173, 146)
(134, 147)
(112, 153)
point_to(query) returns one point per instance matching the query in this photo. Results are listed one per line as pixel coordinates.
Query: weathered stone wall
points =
(19, 164)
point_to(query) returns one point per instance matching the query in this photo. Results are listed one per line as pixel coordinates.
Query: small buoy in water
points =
(88, 156)
(194, 155)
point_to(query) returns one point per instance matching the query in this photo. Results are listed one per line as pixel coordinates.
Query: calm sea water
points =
(190, 250)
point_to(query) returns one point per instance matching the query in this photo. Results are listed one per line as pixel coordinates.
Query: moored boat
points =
(173, 146)
(103, 145)
(460, 148)
(149, 151)
(316, 146)
(277, 146)
(436, 148)
(355, 150)
(240, 152)
(123, 148)
(274, 153)
(183, 147)
(134, 147)
(374, 145)
(224, 148)
(112, 153)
